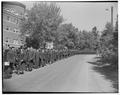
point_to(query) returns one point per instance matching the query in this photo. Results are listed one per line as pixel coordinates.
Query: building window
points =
(7, 28)
(14, 20)
(17, 21)
(7, 40)
(8, 18)
(15, 41)
(16, 31)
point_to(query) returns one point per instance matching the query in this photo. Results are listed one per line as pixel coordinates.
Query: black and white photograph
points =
(59, 46)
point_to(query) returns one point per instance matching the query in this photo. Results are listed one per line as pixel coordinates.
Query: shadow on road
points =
(106, 70)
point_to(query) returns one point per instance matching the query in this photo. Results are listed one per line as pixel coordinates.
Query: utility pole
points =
(112, 16)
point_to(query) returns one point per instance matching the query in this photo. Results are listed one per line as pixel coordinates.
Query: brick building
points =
(12, 15)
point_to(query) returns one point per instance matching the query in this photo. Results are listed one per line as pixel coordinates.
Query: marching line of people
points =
(26, 59)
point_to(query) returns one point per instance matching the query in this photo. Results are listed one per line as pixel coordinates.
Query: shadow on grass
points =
(108, 71)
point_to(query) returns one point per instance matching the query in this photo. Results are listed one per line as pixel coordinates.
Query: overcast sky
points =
(85, 15)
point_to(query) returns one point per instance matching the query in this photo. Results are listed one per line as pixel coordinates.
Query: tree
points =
(109, 45)
(42, 21)
(88, 40)
(67, 36)
(95, 38)
(32, 42)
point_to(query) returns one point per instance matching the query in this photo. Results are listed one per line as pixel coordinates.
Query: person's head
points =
(31, 47)
(24, 47)
(21, 47)
(8, 46)
(28, 48)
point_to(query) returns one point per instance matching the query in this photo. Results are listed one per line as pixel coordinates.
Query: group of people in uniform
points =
(18, 60)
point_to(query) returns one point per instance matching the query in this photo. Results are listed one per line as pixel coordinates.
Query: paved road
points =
(73, 74)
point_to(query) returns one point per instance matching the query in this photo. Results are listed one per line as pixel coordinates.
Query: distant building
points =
(12, 14)
(49, 45)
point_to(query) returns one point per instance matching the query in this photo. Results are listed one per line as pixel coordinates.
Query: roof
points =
(14, 3)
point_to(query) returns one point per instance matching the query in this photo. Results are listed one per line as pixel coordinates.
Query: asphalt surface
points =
(73, 74)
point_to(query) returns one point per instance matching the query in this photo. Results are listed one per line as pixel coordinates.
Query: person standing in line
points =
(18, 61)
(29, 59)
(22, 60)
(36, 59)
(6, 64)
(40, 58)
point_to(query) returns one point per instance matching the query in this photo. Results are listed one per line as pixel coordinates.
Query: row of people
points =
(26, 59)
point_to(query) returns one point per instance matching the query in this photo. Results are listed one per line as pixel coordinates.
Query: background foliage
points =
(45, 23)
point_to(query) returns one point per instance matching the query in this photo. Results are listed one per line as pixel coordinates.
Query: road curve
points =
(72, 74)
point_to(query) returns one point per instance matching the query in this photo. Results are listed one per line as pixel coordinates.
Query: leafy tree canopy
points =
(42, 21)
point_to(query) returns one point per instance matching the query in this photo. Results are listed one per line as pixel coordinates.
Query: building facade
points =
(12, 14)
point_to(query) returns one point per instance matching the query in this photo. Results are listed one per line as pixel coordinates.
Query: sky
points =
(86, 15)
